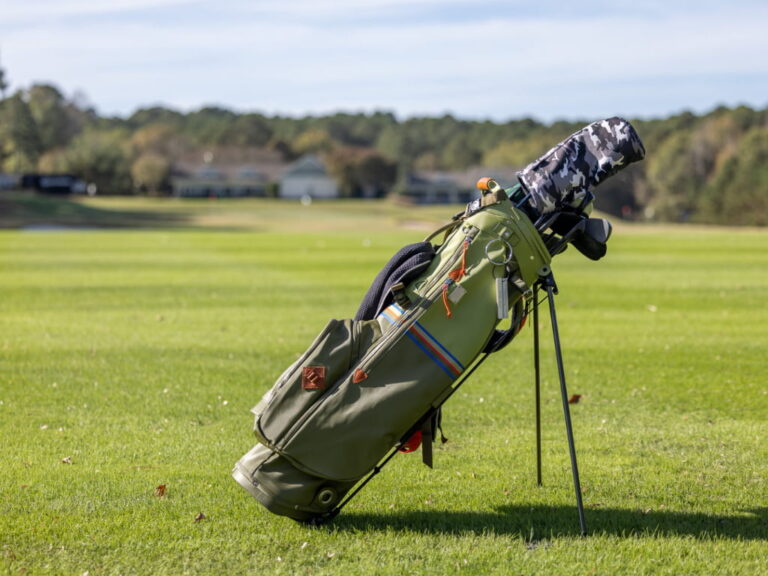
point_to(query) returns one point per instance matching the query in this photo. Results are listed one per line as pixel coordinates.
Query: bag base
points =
(285, 490)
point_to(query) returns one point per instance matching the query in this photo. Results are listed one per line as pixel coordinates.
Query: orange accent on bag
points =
(459, 273)
(482, 184)
(455, 275)
(447, 304)
(412, 444)
(359, 376)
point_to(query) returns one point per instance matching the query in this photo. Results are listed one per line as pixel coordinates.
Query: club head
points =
(592, 242)
(599, 229)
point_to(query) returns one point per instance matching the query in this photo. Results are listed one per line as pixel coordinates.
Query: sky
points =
(482, 59)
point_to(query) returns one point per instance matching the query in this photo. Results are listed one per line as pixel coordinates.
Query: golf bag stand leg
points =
(547, 281)
(537, 380)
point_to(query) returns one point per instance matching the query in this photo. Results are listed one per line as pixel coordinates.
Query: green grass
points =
(41, 211)
(136, 355)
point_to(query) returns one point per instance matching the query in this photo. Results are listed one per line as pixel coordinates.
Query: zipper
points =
(408, 319)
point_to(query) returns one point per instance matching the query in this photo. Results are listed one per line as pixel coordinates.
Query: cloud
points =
(31, 11)
(249, 57)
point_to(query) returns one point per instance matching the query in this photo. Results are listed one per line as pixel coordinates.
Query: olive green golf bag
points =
(372, 386)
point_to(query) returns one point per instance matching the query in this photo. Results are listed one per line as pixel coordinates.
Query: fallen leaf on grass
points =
(574, 399)
(67, 460)
(200, 517)
(160, 490)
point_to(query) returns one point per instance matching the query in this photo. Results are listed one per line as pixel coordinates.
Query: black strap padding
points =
(427, 437)
(404, 266)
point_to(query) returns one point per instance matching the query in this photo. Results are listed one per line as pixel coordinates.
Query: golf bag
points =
(372, 386)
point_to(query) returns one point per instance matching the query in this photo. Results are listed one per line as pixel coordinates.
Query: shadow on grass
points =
(40, 211)
(539, 521)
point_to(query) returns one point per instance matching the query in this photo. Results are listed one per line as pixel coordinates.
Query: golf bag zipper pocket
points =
(328, 359)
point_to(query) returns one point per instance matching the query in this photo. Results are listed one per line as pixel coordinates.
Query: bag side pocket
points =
(328, 359)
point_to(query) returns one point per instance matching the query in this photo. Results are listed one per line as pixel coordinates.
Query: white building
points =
(213, 181)
(307, 177)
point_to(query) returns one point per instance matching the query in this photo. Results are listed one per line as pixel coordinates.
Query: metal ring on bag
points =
(506, 248)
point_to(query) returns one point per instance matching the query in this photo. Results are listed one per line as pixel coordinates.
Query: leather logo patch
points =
(313, 378)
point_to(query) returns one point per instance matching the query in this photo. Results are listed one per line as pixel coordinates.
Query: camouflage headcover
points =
(565, 174)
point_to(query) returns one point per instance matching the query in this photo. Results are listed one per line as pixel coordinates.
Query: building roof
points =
(233, 163)
(308, 165)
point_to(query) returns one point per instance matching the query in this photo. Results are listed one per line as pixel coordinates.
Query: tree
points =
(375, 175)
(506, 153)
(19, 138)
(312, 141)
(3, 83)
(209, 126)
(48, 108)
(403, 144)
(160, 139)
(458, 154)
(361, 171)
(249, 130)
(102, 158)
(390, 142)
(155, 115)
(673, 182)
(150, 173)
(738, 194)
(53, 161)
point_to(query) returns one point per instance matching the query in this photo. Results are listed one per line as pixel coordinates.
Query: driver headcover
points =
(564, 175)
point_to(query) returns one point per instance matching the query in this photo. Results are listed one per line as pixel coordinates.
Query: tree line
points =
(708, 168)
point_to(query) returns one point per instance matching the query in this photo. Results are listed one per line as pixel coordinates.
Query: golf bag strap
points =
(426, 442)
(429, 430)
(406, 264)
(500, 338)
(493, 197)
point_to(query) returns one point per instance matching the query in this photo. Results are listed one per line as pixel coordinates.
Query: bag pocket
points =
(285, 490)
(329, 358)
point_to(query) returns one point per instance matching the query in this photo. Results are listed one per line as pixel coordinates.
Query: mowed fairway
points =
(129, 360)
